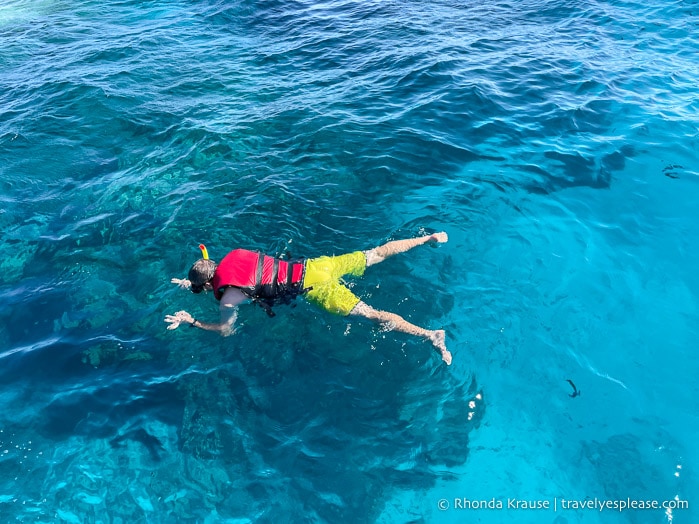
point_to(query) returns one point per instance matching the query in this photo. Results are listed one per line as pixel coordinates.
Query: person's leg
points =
(393, 321)
(381, 253)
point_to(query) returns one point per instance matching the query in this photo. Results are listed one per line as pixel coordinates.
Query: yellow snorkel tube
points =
(204, 252)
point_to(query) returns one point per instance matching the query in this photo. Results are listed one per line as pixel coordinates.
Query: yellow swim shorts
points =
(323, 275)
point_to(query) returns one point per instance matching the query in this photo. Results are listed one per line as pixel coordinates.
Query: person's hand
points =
(178, 318)
(439, 237)
(182, 282)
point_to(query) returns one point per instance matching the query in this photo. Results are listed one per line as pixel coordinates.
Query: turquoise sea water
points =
(555, 141)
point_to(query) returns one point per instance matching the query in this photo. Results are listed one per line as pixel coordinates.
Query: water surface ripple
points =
(555, 141)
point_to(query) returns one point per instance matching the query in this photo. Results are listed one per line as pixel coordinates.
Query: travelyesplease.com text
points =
(559, 504)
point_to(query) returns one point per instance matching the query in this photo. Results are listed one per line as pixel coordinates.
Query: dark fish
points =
(575, 392)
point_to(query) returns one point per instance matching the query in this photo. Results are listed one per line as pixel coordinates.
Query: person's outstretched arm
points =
(229, 314)
(224, 328)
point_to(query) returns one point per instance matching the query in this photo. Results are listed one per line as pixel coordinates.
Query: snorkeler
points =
(248, 275)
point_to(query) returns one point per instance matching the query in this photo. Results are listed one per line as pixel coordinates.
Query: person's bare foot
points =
(446, 357)
(439, 237)
(438, 339)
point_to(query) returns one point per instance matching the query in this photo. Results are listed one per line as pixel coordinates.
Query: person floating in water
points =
(248, 275)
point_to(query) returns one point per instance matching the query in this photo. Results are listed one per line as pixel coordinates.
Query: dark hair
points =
(201, 272)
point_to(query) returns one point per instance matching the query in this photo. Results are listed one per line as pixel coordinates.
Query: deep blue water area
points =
(556, 142)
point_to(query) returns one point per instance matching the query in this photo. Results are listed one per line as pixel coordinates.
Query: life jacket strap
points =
(289, 272)
(275, 275)
(264, 304)
(258, 273)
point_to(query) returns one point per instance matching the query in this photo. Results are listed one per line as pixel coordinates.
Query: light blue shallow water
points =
(556, 142)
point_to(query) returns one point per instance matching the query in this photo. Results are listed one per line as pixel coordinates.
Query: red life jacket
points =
(266, 280)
